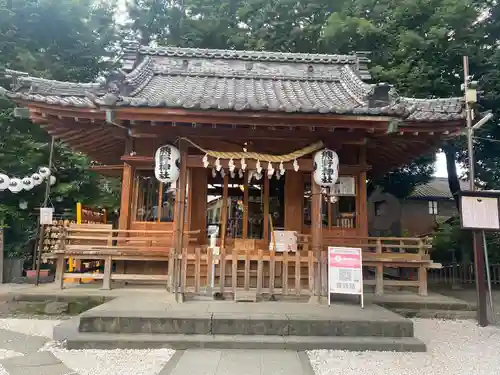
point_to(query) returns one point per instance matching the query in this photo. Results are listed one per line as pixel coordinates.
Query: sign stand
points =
(345, 272)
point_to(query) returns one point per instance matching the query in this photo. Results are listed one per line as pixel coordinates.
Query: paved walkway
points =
(27, 349)
(238, 362)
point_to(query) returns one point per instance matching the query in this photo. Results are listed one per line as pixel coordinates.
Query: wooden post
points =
(225, 194)
(316, 231)
(379, 272)
(160, 203)
(179, 222)
(266, 208)
(245, 205)
(125, 205)
(362, 209)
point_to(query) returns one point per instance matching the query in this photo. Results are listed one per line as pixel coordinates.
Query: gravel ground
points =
(454, 347)
(86, 362)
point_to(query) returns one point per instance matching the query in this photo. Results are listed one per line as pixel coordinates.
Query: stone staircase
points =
(143, 323)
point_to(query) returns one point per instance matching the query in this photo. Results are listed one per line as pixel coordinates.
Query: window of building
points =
(340, 214)
(433, 207)
(153, 200)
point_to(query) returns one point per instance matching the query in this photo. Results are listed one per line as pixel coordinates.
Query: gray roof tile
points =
(240, 81)
(436, 188)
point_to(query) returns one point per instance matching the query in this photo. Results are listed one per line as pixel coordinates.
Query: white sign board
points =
(46, 215)
(344, 186)
(345, 271)
(480, 213)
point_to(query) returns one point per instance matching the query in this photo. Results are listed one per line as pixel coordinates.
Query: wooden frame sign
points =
(345, 272)
(480, 210)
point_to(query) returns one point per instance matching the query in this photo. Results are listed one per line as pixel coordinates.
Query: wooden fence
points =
(297, 273)
(464, 274)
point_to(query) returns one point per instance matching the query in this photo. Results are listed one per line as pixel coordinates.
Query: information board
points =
(345, 271)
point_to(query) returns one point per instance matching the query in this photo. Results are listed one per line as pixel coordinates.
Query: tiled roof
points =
(436, 188)
(239, 81)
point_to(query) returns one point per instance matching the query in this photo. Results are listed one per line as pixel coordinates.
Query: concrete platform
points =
(147, 321)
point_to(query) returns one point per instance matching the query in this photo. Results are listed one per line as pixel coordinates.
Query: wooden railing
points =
(461, 274)
(297, 273)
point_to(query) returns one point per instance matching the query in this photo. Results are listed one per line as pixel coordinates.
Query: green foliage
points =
(66, 40)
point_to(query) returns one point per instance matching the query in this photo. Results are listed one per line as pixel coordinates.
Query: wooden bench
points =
(91, 243)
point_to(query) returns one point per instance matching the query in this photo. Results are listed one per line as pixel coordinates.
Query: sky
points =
(440, 165)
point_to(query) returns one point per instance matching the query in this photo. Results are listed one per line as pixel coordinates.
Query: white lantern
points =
(15, 185)
(326, 167)
(167, 164)
(4, 181)
(27, 183)
(37, 179)
(52, 180)
(44, 172)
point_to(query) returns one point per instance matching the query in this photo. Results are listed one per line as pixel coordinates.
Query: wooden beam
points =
(245, 133)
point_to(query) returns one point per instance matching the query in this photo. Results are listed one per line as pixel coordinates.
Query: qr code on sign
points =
(345, 275)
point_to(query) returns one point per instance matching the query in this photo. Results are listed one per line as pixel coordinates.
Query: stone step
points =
(67, 332)
(427, 305)
(437, 314)
(207, 323)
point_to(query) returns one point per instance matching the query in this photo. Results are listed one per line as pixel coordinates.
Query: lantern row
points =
(15, 185)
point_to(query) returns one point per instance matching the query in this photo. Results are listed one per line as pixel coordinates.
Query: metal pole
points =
(482, 316)
(42, 227)
(488, 276)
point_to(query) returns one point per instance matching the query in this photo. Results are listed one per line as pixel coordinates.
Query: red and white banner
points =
(345, 271)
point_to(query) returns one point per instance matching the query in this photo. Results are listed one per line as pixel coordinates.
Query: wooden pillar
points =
(223, 227)
(245, 204)
(126, 197)
(198, 202)
(294, 199)
(316, 231)
(266, 207)
(180, 201)
(362, 201)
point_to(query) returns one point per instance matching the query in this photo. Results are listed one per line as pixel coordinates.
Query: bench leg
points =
(60, 265)
(422, 281)
(379, 280)
(106, 281)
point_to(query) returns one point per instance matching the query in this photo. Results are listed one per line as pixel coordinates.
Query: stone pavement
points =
(35, 354)
(21, 355)
(238, 362)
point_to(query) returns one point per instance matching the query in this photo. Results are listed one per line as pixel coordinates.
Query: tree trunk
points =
(451, 167)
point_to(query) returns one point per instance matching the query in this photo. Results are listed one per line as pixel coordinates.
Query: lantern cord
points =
(257, 156)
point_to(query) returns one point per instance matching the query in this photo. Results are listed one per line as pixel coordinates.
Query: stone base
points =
(245, 296)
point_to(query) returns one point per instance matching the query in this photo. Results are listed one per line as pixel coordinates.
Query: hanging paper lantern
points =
(37, 179)
(52, 180)
(15, 185)
(326, 168)
(167, 164)
(44, 172)
(4, 181)
(28, 183)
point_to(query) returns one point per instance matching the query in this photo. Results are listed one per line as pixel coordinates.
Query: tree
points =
(64, 40)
